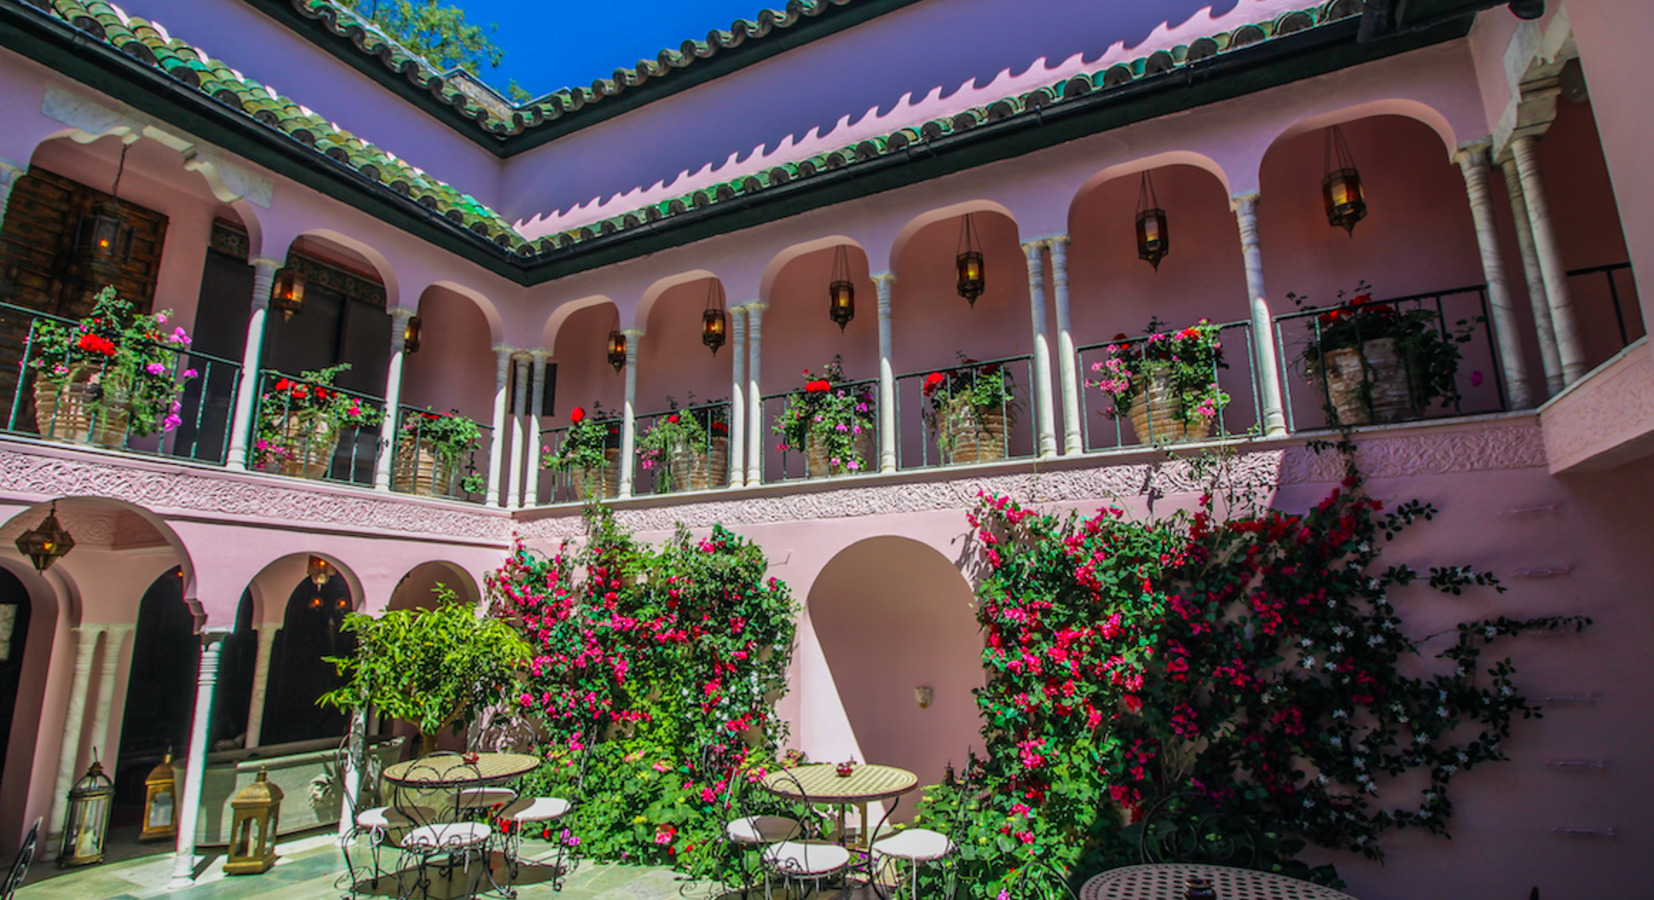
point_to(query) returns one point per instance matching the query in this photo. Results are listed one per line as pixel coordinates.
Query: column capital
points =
(632, 333)
(401, 312)
(504, 351)
(1476, 154)
(735, 311)
(213, 634)
(92, 628)
(757, 306)
(9, 171)
(265, 262)
(540, 355)
(1246, 203)
(1033, 248)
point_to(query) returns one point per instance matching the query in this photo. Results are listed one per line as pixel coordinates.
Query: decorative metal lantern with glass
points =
(86, 824)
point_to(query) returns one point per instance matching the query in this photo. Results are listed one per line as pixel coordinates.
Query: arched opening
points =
(579, 340)
(160, 692)
(419, 588)
(299, 670)
(452, 371)
(683, 389)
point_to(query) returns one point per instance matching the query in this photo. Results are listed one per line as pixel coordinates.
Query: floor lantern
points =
(1153, 240)
(972, 275)
(714, 320)
(841, 293)
(160, 802)
(86, 824)
(1341, 188)
(256, 812)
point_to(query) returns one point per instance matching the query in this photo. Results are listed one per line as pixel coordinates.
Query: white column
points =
(113, 643)
(755, 399)
(261, 682)
(1550, 259)
(531, 493)
(519, 411)
(350, 779)
(246, 391)
(496, 440)
(885, 282)
(393, 399)
(1263, 327)
(68, 761)
(1044, 414)
(1548, 354)
(1067, 362)
(1473, 162)
(189, 806)
(628, 418)
(737, 398)
(9, 173)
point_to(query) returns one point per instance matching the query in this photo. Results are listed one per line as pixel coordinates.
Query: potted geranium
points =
(111, 375)
(831, 421)
(1374, 363)
(300, 421)
(431, 447)
(589, 452)
(1166, 381)
(687, 449)
(969, 408)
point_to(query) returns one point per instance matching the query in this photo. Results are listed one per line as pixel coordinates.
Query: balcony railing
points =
(419, 466)
(684, 467)
(794, 463)
(1614, 288)
(291, 438)
(204, 411)
(1102, 428)
(573, 486)
(937, 423)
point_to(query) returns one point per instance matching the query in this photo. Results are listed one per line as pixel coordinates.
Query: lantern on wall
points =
(1153, 240)
(972, 275)
(105, 238)
(256, 813)
(86, 824)
(45, 543)
(160, 802)
(841, 293)
(617, 349)
(287, 294)
(319, 571)
(714, 320)
(410, 335)
(1341, 188)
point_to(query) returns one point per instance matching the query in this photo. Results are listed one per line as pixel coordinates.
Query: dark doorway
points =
(160, 692)
(14, 629)
(299, 670)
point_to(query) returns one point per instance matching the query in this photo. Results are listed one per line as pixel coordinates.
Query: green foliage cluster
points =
(678, 434)
(453, 438)
(1185, 361)
(590, 436)
(1429, 350)
(832, 413)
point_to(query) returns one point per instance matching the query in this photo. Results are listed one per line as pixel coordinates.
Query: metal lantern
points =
(287, 296)
(160, 802)
(714, 320)
(319, 570)
(1341, 188)
(256, 813)
(45, 543)
(841, 293)
(87, 822)
(105, 239)
(1153, 240)
(410, 335)
(617, 349)
(972, 274)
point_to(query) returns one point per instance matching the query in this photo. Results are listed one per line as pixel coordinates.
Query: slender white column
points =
(1044, 414)
(393, 399)
(189, 808)
(350, 779)
(1550, 259)
(755, 399)
(1068, 371)
(246, 390)
(1548, 354)
(1263, 327)
(9, 173)
(68, 761)
(519, 412)
(114, 642)
(885, 282)
(496, 440)
(628, 422)
(1473, 163)
(531, 493)
(261, 682)
(737, 398)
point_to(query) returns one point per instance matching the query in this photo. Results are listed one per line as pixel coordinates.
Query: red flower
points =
(672, 419)
(91, 343)
(576, 415)
(283, 384)
(720, 428)
(933, 381)
(817, 386)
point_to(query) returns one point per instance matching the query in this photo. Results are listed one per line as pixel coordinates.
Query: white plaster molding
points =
(90, 119)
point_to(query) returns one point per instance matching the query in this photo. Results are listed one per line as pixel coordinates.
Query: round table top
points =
(1167, 881)
(822, 783)
(447, 770)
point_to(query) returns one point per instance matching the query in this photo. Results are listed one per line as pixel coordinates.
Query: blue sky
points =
(551, 44)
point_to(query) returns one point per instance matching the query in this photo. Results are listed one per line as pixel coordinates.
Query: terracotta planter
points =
(1157, 414)
(600, 483)
(818, 465)
(63, 413)
(967, 434)
(309, 442)
(1366, 385)
(417, 469)
(698, 469)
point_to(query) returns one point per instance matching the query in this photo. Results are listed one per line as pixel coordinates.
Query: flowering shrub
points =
(1253, 662)
(590, 435)
(680, 432)
(1187, 360)
(1430, 352)
(120, 357)
(830, 412)
(453, 438)
(294, 413)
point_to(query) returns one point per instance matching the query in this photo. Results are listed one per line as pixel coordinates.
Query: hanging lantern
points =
(45, 543)
(287, 296)
(256, 814)
(617, 349)
(1153, 240)
(105, 238)
(86, 823)
(1341, 188)
(319, 570)
(160, 802)
(410, 335)
(714, 320)
(972, 276)
(841, 294)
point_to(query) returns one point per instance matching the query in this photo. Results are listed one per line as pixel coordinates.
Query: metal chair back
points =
(20, 865)
(1186, 828)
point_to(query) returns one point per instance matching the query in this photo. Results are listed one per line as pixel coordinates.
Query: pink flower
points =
(155, 368)
(1476, 378)
(160, 318)
(191, 373)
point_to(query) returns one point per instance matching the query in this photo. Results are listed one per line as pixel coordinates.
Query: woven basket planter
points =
(417, 469)
(601, 483)
(967, 435)
(700, 469)
(1157, 414)
(1366, 385)
(62, 413)
(818, 465)
(308, 442)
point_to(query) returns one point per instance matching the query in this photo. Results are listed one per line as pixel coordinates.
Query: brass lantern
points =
(714, 320)
(1153, 240)
(256, 813)
(972, 276)
(841, 293)
(105, 239)
(1341, 188)
(617, 349)
(87, 822)
(160, 802)
(45, 543)
(287, 296)
(319, 570)
(410, 335)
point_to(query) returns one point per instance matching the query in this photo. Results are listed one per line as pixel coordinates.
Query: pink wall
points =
(671, 360)
(455, 365)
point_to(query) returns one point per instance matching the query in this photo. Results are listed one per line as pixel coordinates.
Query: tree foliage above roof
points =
(438, 32)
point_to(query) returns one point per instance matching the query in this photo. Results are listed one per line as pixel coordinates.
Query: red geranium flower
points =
(933, 381)
(817, 386)
(671, 418)
(576, 415)
(91, 343)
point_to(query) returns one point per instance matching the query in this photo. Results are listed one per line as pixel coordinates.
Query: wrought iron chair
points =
(751, 828)
(917, 846)
(20, 865)
(805, 857)
(1185, 828)
(439, 835)
(362, 813)
(528, 812)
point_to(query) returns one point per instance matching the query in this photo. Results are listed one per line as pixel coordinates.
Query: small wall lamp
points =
(923, 696)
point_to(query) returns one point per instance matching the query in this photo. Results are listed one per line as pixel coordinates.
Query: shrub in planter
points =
(969, 409)
(431, 449)
(830, 421)
(590, 452)
(687, 449)
(1165, 381)
(300, 422)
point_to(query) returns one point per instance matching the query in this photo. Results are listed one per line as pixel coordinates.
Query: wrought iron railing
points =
(422, 465)
(940, 422)
(579, 484)
(701, 466)
(290, 438)
(785, 462)
(1155, 418)
(1611, 288)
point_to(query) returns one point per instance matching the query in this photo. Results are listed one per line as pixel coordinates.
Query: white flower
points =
(1441, 711)
(1308, 662)
(1340, 714)
(1490, 631)
(1308, 804)
(1374, 641)
(1336, 741)
(1338, 647)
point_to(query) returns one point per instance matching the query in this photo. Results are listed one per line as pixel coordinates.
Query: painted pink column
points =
(737, 399)
(68, 761)
(1263, 327)
(531, 493)
(628, 419)
(1067, 361)
(393, 399)
(1526, 151)
(755, 397)
(885, 282)
(189, 808)
(497, 438)
(519, 412)
(246, 392)
(1473, 164)
(1548, 355)
(1044, 415)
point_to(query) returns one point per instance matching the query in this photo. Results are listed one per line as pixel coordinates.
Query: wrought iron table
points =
(1167, 881)
(822, 784)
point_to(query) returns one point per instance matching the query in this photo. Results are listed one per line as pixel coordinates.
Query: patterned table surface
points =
(822, 783)
(451, 770)
(1168, 881)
